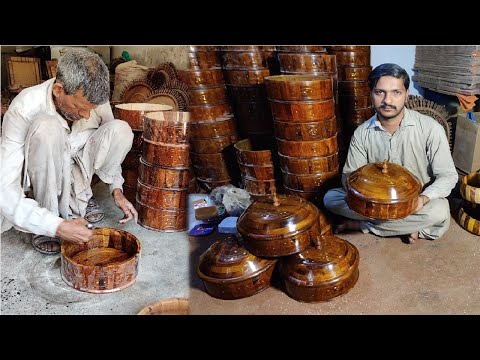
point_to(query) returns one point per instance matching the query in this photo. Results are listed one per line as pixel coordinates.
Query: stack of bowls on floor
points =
(133, 114)
(212, 125)
(256, 168)
(245, 68)
(314, 265)
(469, 214)
(164, 172)
(303, 109)
(353, 69)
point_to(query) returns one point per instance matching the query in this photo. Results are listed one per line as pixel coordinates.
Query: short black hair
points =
(388, 70)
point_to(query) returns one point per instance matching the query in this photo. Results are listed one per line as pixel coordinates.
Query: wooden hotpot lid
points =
(383, 182)
(227, 259)
(277, 216)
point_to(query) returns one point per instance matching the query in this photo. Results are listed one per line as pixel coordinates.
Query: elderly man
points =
(55, 137)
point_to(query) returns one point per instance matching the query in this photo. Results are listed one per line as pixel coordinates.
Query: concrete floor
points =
(31, 281)
(427, 277)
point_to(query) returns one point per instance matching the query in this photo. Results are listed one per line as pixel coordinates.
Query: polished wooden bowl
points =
(163, 177)
(159, 198)
(259, 187)
(321, 272)
(303, 111)
(164, 220)
(246, 77)
(247, 48)
(278, 225)
(470, 187)
(307, 62)
(307, 149)
(309, 165)
(244, 60)
(383, 191)
(353, 58)
(248, 155)
(356, 48)
(251, 93)
(170, 127)
(133, 113)
(299, 87)
(212, 145)
(223, 126)
(173, 306)
(209, 112)
(309, 182)
(353, 88)
(167, 155)
(258, 172)
(302, 48)
(208, 95)
(200, 78)
(298, 131)
(353, 73)
(105, 264)
(349, 103)
(229, 271)
(204, 59)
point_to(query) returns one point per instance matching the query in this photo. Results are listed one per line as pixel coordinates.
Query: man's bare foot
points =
(347, 224)
(410, 239)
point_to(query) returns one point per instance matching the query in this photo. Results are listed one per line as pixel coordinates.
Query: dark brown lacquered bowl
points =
(208, 95)
(295, 131)
(299, 87)
(220, 127)
(107, 263)
(303, 111)
(209, 112)
(311, 165)
(321, 272)
(229, 271)
(470, 187)
(307, 149)
(383, 191)
(247, 155)
(278, 225)
(133, 113)
(353, 58)
(170, 127)
(199, 78)
(213, 144)
(307, 62)
(163, 177)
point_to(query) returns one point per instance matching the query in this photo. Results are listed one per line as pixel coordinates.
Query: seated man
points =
(403, 137)
(55, 137)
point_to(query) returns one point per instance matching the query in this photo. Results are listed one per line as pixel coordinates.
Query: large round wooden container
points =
(303, 111)
(470, 187)
(168, 155)
(296, 131)
(170, 127)
(204, 59)
(321, 272)
(161, 220)
(356, 48)
(224, 126)
(353, 73)
(302, 48)
(310, 165)
(259, 187)
(307, 62)
(383, 191)
(244, 60)
(208, 95)
(199, 78)
(248, 155)
(299, 87)
(310, 182)
(354, 88)
(353, 58)
(173, 306)
(209, 112)
(158, 198)
(133, 113)
(163, 177)
(212, 145)
(105, 264)
(246, 77)
(306, 149)
(278, 225)
(211, 166)
(229, 271)
(247, 48)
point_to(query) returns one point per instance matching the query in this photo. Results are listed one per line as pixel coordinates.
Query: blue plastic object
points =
(228, 225)
(471, 116)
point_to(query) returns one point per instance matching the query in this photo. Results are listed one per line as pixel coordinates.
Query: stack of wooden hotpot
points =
(133, 114)
(212, 126)
(314, 265)
(164, 171)
(469, 214)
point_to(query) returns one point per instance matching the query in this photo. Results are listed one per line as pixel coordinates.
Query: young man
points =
(407, 138)
(55, 137)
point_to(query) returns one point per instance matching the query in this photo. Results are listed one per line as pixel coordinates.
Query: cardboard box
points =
(466, 152)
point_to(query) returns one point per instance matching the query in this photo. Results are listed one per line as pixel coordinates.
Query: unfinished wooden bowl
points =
(105, 264)
(170, 127)
(296, 131)
(299, 87)
(470, 187)
(383, 191)
(229, 271)
(303, 111)
(307, 62)
(174, 306)
(133, 113)
(321, 272)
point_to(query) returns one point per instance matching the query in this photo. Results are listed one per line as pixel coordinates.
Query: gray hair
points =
(81, 69)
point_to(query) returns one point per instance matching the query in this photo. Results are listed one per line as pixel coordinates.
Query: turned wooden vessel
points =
(167, 155)
(246, 77)
(209, 112)
(354, 88)
(383, 191)
(171, 127)
(278, 225)
(163, 177)
(198, 48)
(174, 306)
(353, 58)
(204, 59)
(105, 264)
(212, 145)
(356, 48)
(247, 48)
(223, 126)
(243, 60)
(298, 131)
(309, 165)
(258, 172)
(252, 93)
(470, 187)
(133, 113)
(301, 48)
(350, 103)
(307, 62)
(208, 95)
(310, 182)
(353, 73)
(158, 198)
(248, 155)
(199, 78)
(164, 220)
(303, 111)
(229, 271)
(259, 187)
(299, 87)
(321, 272)
(307, 149)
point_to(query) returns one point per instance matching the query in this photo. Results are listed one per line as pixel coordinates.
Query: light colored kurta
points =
(32, 132)
(420, 145)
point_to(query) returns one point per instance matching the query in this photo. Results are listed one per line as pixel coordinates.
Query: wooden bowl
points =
(198, 48)
(223, 126)
(354, 88)
(307, 62)
(246, 77)
(353, 58)
(251, 93)
(470, 187)
(105, 264)
(302, 48)
(166, 155)
(248, 155)
(278, 225)
(208, 95)
(468, 218)
(133, 113)
(212, 145)
(170, 127)
(229, 271)
(174, 306)
(321, 272)
(310, 182)
(308, 149)
(303, 111)
(383, 191)
(353, 73)
(164, 199)
(298, 131)
(355, 48)
(311, 165)
(349, 103)
(299, 87)
(204, 60)
(259, 187)
(163, 177)
(247, 48)
(244, 60)
(200, 78)
(160, 219)
(258, 172)
(209, 112)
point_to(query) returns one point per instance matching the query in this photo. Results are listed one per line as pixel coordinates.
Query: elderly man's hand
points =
(124, 205)
(74, 231)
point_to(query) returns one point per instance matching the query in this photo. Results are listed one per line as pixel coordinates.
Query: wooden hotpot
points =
(383, 191)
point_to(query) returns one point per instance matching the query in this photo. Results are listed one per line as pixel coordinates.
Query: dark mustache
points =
(388, 106)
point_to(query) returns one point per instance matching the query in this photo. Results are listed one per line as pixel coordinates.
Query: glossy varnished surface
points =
(171, 127)
(299, 87)
(133, 113)
(303, 111)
